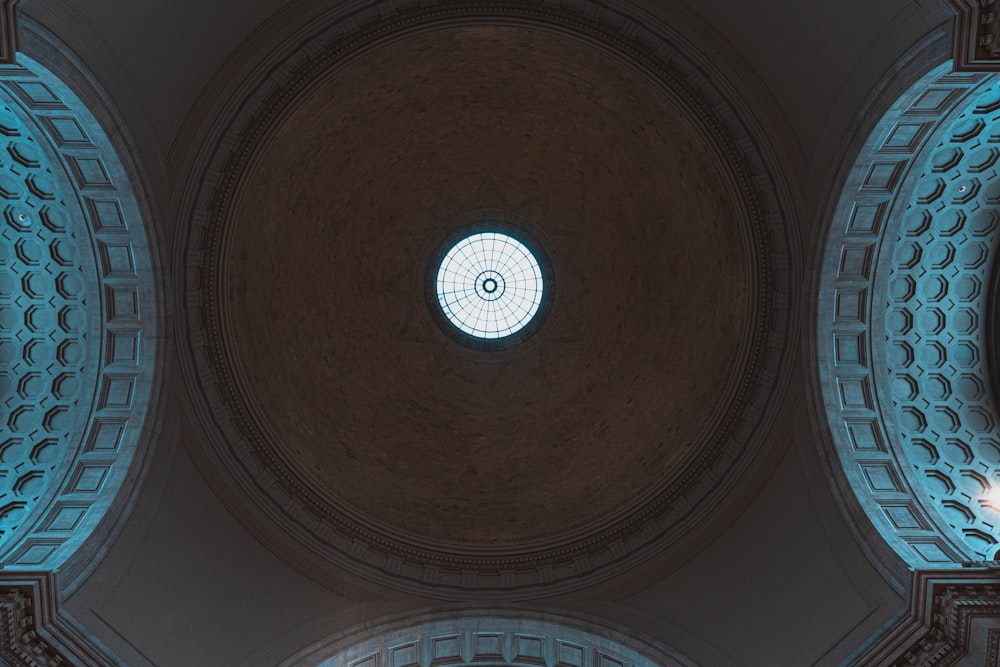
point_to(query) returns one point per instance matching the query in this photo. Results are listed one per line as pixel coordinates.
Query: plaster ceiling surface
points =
(371, 401)
(335, 394)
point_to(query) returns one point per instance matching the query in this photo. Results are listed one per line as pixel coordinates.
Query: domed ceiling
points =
(385, 437)
(376, 407)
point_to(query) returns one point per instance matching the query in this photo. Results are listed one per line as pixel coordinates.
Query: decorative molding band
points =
(976, 35)
(899, 323)
(327, 541)
(10, 31)
(512, 637)
(925, 56)
(79, 341)
(954, 615)
(34, 632)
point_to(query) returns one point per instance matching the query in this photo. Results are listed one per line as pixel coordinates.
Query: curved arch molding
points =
(330, 544)
(78, 326)
(498, 638)
(901, 311)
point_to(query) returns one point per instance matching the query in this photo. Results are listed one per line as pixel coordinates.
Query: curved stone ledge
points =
(512, 638)
(80, 322)
(902, 305)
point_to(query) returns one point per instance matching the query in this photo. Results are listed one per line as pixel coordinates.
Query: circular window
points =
(489, 285)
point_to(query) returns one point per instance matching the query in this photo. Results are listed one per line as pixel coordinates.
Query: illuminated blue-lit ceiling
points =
(903, 305)
(78, 326)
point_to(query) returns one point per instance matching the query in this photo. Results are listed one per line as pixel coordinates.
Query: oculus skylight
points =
(489, 285)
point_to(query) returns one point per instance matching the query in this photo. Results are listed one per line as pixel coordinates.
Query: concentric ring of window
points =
(489, 285)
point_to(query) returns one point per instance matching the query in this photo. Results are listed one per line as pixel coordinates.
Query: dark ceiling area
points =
(389, 415)
(753, 424)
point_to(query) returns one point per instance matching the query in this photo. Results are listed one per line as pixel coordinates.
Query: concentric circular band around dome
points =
(489, 285)
(468, 557)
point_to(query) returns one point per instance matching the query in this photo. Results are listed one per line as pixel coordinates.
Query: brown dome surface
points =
(362, 392)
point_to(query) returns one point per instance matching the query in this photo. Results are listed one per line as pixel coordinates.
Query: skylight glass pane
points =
(489, 285)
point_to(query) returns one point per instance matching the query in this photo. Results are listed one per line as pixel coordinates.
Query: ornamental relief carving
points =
(902, 302)
(33, 630)
(513, 638)
(976, 35)
(78, 321)
(954, 619)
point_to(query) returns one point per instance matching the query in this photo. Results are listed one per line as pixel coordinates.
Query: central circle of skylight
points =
(489, 285)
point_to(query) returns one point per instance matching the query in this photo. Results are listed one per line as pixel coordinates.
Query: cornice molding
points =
(914, 65)
(975, 39)
(954, 614)
(117, 143)
(10, 31)
(514, 636)
(91, 329)
(34, 632)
